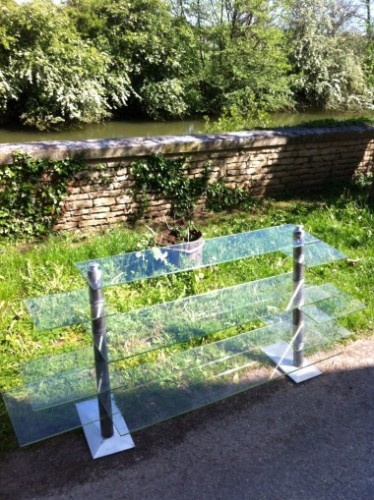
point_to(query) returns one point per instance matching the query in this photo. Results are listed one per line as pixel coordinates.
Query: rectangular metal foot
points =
(282, 355)
(88, 412)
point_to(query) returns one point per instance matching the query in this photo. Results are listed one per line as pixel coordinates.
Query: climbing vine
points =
(170, 179)
(221, 197)
(31, 192)
(173, 179)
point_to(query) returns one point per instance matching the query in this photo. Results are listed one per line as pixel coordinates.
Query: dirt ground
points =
(310, 441)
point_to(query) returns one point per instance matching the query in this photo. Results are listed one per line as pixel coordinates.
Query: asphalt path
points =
(280, 441)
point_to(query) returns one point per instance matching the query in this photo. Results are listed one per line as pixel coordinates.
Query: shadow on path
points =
(314, 440)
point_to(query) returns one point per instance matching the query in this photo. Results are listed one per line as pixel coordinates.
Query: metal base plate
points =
(282, 355)
(88, 412)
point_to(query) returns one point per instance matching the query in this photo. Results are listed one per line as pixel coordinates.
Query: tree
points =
(85, 60)
(50, 77)
(369, 22)
(145, 43)
(328, 72)
(242, 62)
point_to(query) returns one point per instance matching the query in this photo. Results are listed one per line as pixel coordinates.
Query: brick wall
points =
(267, 163)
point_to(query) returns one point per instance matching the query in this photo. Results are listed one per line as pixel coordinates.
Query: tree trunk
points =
(369, 27)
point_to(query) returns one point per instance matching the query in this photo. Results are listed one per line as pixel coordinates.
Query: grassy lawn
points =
(45, 267)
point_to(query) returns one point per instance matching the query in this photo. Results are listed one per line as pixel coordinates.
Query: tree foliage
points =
(86, 60)
(50, 76)
(327, 65)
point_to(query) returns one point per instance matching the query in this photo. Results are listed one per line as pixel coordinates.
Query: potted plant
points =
(173, 180)
(184, 240)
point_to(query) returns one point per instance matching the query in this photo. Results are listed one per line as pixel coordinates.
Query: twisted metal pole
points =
(298, 289)
(100, 350)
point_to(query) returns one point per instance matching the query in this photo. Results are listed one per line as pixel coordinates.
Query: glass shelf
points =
(162, 325)
(318, 253)
(61, 309)
(151, 328)
(192, 379)
(66, 387)
(48, 366)
(325, 334)
(144, 330)
(144, 319)
(56, 380)
(335, 307)
(168, 387)
(317, 334)
(226, 350)
(155, 262)
(70, 308)
(30, 426)
(173, 384)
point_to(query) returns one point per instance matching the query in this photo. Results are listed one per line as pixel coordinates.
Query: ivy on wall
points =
(32, 190)
(31, 194)
(173, 179)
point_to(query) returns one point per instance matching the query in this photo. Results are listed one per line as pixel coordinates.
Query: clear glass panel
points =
(183, 382)
(165, 324)
(227, 350)
(61, 309)
(172, 385)
(315, 293)
(321, 253)
(318, 253)
(316, 335)
(67, 386)
(312, 294)
(195, 378)
(48, 366)
(31, 426)
(70, 308)
(71, 376)
(166, 260)
(335, 307)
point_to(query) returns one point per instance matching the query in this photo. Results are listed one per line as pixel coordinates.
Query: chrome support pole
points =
(100, 350)
(298, 297)
(290, 359)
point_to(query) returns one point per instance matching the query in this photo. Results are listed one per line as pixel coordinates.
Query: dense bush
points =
(328, 67)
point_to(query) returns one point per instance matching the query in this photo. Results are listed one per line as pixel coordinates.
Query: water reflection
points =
(118, 129)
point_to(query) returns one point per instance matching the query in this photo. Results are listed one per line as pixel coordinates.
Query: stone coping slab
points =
(114, 149)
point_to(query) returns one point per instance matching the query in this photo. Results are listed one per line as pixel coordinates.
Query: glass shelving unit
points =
(145, 365)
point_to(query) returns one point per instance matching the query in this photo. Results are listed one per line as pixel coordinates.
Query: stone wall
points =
(267, 163)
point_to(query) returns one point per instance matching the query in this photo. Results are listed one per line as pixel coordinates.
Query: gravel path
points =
(280, 441)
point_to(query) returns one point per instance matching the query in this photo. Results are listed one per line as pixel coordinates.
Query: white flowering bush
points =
(49, 76)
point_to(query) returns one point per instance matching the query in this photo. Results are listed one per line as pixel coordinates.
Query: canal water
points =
(120, 129)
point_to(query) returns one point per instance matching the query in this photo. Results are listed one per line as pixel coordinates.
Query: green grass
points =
(32, 269)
